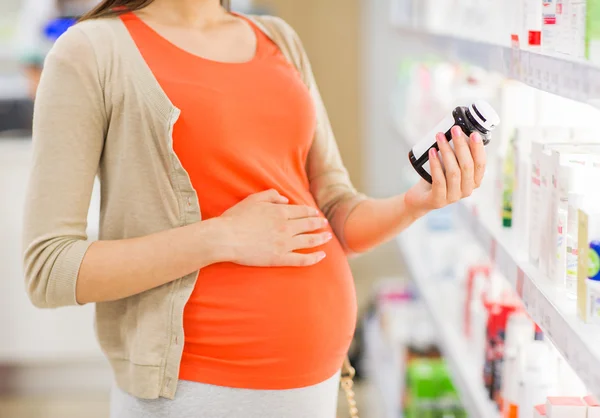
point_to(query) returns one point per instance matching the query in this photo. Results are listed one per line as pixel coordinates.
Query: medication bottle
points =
(478, 117)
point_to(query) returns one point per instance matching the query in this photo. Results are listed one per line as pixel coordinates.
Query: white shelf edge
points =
(574, 79)
(467, 379)
(579, 343)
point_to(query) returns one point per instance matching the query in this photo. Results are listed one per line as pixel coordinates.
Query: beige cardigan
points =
(99, 110)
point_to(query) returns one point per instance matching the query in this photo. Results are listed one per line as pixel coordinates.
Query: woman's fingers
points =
(452, 169)
(465, 161)
(307, 241)
(300, 260)
(299, 212)
(479, 158)
(302, 226)
(438, 179)
(268, 196)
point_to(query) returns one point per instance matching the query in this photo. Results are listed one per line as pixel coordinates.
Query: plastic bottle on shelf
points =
(564, 178)
(575, 202)
(520, 331)
(536, 380)
(478, 117)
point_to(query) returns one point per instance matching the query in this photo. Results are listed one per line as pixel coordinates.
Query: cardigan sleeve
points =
(69, 127)
(329, 180)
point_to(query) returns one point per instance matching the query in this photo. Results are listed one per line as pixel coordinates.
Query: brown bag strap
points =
(347, 382)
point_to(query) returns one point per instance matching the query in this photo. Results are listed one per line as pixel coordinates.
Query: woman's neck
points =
(193, 13)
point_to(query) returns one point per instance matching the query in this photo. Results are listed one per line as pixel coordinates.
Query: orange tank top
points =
(246, 128)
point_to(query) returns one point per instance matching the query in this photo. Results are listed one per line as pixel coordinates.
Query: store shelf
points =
(577, 80)
(466, 374)
(549, 306)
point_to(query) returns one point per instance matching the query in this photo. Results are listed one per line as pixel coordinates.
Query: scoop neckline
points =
(181, 50)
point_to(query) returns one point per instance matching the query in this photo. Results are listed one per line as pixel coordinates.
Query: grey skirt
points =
(198, 400)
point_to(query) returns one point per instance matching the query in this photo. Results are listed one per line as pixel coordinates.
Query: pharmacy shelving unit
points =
(550, 308)
(577, 80)
(467, 376)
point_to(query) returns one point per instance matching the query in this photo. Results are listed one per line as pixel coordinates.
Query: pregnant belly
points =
(269, 328)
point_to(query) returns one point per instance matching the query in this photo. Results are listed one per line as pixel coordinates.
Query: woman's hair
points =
(115, 7)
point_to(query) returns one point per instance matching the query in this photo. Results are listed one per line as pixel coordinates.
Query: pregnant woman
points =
(220, 277)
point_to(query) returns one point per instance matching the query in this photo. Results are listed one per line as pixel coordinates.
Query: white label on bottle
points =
(422, 147)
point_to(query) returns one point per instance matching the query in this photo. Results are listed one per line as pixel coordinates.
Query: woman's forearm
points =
(376, 221)
(113, 270)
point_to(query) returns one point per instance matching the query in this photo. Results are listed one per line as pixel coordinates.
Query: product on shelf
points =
(567, 174)
(498, 313)
(520, 331)
(592, 32)
(533, 24)
(588, 281)
(522, 186)
(565, 407)
(570, 28)
(581, 195)
(508, 182)
(535, 378)
(478, 117)
(430, 392)
(516, 12)
(550, 26)
(551, 181)
(536, 202)
(575, 202)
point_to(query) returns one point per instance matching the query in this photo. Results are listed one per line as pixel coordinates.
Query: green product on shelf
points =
(431, 393)
(592, 31)
(452, 403)
(508, 185)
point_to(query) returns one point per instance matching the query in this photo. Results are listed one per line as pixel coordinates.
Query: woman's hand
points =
(263, 231)
(461, 174)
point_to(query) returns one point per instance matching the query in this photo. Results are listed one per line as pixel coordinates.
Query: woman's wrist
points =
(215, 241)
(414, 212)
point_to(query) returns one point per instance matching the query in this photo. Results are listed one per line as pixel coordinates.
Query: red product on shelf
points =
(499, 311)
